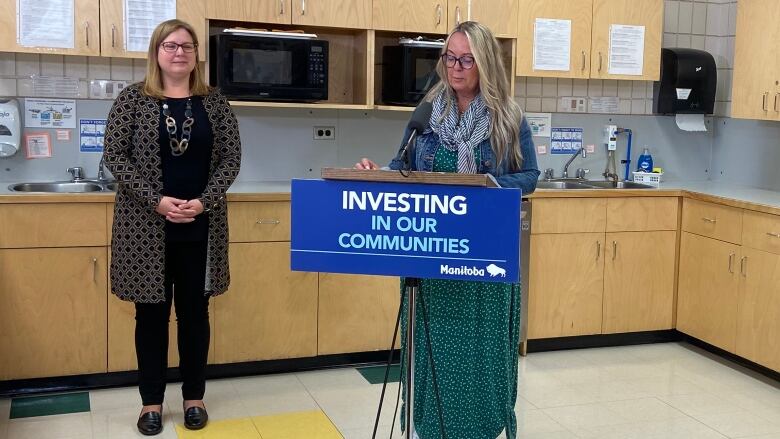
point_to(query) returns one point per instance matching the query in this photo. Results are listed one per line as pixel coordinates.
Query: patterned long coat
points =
(132, 154)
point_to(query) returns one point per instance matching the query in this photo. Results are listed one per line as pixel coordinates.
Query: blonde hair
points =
(506, 114)
(152, 84)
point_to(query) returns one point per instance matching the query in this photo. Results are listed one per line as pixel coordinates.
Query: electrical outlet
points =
(324, 133)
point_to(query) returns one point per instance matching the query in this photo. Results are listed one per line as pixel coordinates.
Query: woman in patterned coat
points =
(173, 144)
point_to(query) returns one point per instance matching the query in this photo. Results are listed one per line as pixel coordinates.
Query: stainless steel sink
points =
(578, 183)
(63, 187)
(560, 184)
(618, 185)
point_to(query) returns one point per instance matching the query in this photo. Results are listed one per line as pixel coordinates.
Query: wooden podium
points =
(411, 284)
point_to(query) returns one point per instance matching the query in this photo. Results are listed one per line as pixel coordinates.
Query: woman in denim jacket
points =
(474, 327)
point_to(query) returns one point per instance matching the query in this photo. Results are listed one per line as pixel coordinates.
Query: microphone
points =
(417, 123)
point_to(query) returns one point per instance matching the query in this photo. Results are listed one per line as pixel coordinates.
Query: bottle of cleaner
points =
(645, 162)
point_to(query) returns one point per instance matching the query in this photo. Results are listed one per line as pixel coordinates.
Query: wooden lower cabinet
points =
(758, 309)
(639, 269)
(356, 313)
(707, 290)
(52, 312)
(269, 312)
(566, 284)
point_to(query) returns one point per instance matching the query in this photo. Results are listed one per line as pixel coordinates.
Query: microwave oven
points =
(408, 72)
(269, 68)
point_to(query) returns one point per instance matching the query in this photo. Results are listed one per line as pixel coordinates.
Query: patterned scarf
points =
(461, 133)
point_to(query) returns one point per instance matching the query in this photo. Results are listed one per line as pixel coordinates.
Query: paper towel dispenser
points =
(688, 82)
(10, 127)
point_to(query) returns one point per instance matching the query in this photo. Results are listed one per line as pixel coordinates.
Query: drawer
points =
(568, 215)
(712, 220)
(53, 225)
(636, 214)
(259, 221)
(761, 231)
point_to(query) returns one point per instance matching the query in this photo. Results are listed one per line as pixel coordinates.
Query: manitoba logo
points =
(495, 270)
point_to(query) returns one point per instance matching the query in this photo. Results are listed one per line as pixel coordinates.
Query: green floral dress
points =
(473, 333)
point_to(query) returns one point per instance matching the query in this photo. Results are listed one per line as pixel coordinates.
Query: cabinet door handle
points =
(113, 32)
(86, 32)
(743, 266)
(731, 262)
(94, 270)
(457, 15)
(709, 220)
(598, 250)
(600, 62)
(583, 61)
(438, 14)
(268, 221)
(764, 103)
(614, 250)
(776, 95)
(281, 7)
(303, 7)
(776, 235)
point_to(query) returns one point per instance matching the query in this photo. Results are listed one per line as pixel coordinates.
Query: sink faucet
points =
(101, 174)
(571, 159)
(76, 172)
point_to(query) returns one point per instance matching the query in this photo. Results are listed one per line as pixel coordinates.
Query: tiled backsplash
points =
(17, 70)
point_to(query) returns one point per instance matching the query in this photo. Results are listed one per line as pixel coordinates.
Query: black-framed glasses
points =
(466, 61)
(171, 47)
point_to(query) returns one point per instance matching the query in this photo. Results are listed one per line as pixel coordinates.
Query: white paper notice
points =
(609, 105)
(552, 44)
(45, 23)
(37, 145)
(626, 49)
(540, 123)
(141, 17)
(691, 122)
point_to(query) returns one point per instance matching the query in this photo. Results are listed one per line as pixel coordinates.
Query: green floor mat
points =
(376, 374)
(28, 407)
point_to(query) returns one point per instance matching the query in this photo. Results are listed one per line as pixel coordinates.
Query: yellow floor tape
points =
(300, 425)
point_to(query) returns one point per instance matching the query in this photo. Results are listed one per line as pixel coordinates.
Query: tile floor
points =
(661, 391)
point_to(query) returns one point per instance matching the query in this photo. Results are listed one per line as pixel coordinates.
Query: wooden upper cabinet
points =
(112, 27)
(580, 12)
(260, 11)
(426, 16)
(647, 13)
(457, 13)
(498, 15)
(86, 28)
(755, 93)
(354, 14)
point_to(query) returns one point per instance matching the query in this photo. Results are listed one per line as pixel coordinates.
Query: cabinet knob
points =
(583, 61)
(764, 101)
(438, 14)
(303, 7)
(268, 221)
(281, 7)
(709, 220)
(86, 32)
(113, 33)
(776, 235)
(614, 250)
(731, 262)
(600, 61)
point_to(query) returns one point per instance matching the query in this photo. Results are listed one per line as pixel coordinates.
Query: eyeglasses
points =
(466, 61)
(171, 47)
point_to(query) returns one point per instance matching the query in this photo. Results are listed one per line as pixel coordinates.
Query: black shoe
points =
(195, 418)
(150, 423)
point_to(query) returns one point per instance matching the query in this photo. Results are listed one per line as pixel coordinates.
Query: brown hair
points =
(152, 84)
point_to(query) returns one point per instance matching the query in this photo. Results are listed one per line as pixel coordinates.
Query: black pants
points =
(185, 273)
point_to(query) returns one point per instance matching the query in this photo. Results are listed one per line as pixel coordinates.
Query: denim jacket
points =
(427, 143)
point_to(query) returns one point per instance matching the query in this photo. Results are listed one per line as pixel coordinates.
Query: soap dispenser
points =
(645, 161)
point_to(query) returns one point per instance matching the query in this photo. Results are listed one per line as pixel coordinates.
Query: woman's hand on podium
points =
(367, 164)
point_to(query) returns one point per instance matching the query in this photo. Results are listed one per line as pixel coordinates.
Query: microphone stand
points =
(412, 287)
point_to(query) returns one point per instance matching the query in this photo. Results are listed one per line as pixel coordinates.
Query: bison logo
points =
(495, 270)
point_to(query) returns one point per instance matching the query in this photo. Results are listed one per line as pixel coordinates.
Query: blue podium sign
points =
(413, 230)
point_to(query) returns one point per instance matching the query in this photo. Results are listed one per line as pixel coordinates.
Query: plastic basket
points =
(651, 178)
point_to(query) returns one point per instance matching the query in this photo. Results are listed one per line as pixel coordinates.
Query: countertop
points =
(737, 196)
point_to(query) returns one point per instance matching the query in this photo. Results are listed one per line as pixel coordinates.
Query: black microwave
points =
(269, 68)
(408, 72)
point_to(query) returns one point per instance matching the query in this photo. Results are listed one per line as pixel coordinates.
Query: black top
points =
(185, 176)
